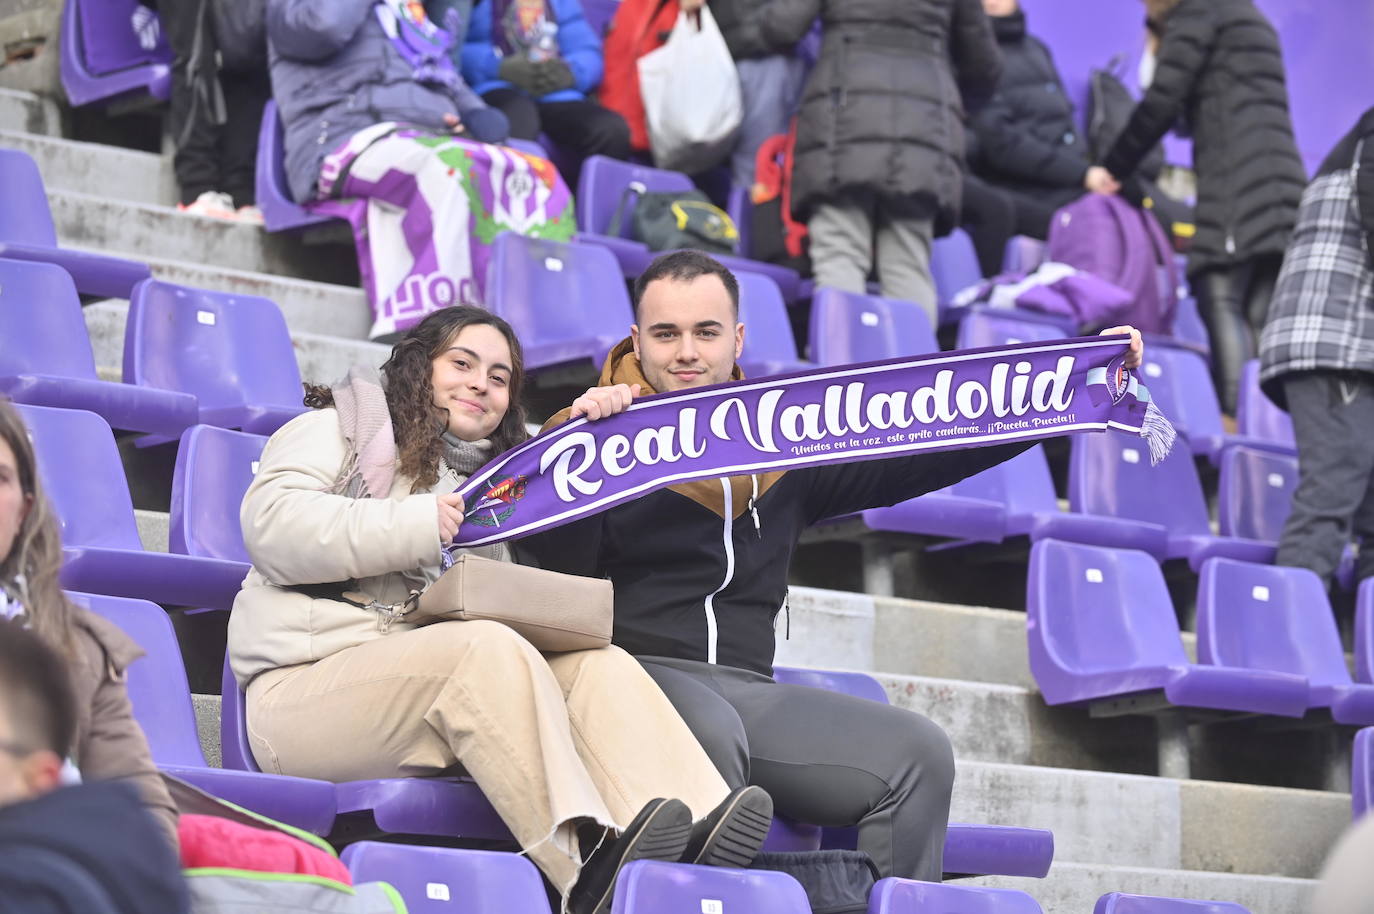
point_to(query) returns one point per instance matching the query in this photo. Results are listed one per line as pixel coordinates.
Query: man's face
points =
(24, 773)
(688, 334)
(999, 7)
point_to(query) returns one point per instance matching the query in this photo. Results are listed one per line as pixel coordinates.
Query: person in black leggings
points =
(1219, 68)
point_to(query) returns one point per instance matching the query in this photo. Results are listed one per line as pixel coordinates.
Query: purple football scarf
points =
(831, 415)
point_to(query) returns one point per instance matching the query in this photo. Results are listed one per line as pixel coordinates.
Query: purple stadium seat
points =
(27, 233)
(1023, 254)
(1025, 490)
(848, 328)
(162, 706)
(1100, 625)
(566, 301)
(233, 352)
(740, 208)
(655, 887)
(1189, 331)
(1119, 903)
(279, 212)
(1364, 632)
(1362, 773)
(600, 189)
(769, 347)
(442, 807)
(954, 265)
(1180, 383)
(1256, 414)
(46, 357)
(213, 471)
(113, 51)
(1110, 475)
(990, 327)
(907, 896)
(1276, 619)
(84, 479)
(1255, 493)
(1003, 850)
(441, 880)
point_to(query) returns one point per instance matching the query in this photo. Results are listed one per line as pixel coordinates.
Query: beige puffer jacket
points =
(297, 533)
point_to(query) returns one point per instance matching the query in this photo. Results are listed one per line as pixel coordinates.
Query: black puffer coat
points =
(882, 109)
(1220, 67)
(1027, 140)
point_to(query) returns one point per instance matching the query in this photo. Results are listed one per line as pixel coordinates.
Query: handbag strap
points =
(633, 189)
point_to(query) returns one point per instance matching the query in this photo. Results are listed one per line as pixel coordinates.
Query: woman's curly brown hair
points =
(406, 376)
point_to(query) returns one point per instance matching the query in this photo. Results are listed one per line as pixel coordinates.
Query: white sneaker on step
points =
(212, 203)
(250, 214)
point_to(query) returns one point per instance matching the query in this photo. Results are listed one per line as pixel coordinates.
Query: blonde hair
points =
(35, 558)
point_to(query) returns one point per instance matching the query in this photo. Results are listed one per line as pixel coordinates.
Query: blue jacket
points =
(578, 45)
(335, 72)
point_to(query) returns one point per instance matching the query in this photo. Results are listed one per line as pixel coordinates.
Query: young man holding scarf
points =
(700, 573)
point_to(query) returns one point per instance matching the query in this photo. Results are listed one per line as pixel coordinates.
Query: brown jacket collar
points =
(622, 367)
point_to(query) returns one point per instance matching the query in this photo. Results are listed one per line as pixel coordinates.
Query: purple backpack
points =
(1106, 236)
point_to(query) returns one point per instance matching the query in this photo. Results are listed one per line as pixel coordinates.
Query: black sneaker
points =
(659, 832)
(734, 831)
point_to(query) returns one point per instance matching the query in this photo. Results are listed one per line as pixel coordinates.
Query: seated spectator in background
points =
(536, 61)
(106, 744)
(1027, 143)
(216, 107)
(880, 138)
(1220, 68)
(374, 108)
(700, 573)
(1317, 359)
(571, 749)
(92, 848)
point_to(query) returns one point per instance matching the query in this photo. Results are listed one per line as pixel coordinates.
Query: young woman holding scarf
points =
(579, 752)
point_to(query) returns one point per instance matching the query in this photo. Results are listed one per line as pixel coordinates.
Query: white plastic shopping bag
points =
(691, 96)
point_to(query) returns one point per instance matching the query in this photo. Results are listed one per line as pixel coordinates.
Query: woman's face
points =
(14, 503)
(471, 380)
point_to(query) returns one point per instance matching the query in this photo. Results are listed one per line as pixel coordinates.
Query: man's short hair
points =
(35, 692)
(685, 266)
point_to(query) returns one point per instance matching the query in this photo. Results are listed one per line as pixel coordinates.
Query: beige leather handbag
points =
(553, 611)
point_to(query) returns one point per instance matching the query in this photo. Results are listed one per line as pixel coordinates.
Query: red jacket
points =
(639, 27)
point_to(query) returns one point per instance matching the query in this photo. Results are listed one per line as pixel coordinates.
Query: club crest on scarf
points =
(496, 505)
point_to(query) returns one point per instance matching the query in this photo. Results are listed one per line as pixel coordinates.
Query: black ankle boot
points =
(659, 832)
(733, 832)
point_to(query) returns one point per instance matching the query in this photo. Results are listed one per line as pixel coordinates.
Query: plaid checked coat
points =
(1322, 313)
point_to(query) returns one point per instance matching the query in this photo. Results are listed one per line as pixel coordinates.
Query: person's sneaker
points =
(733, 832)
(250, 214)
(212, 203)
(659, 832)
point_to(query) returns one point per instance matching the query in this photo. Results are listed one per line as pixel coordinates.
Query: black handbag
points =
(667, 221)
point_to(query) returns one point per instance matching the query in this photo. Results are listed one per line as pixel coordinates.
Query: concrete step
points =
(96, 169)
(324, 308)
(321, 358)
(834, 629)
(29, 113)
(1073, 888)
(1121, 820)
(142, 230)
